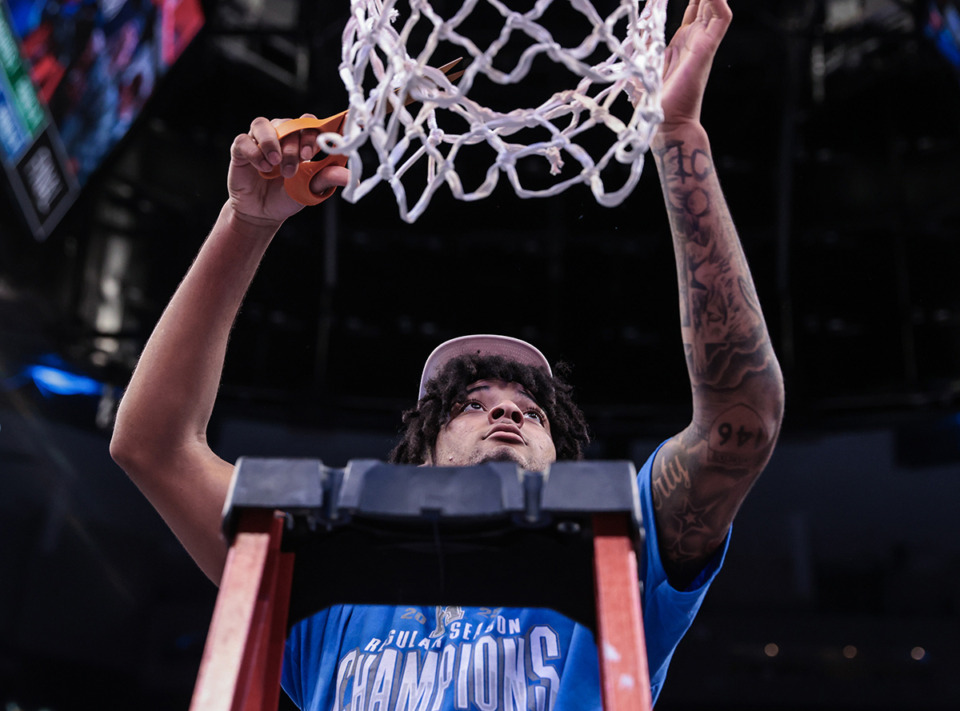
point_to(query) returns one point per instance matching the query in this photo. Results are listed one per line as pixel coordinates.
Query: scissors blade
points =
(450, 65)
(445, 69)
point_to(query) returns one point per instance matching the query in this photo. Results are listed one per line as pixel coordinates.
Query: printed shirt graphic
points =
(384, 658)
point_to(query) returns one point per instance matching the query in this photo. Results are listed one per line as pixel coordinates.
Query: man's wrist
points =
(683, 132)
(248, 226)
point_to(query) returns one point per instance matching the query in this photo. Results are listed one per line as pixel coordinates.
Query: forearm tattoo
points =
(730, 361)
(723, 327)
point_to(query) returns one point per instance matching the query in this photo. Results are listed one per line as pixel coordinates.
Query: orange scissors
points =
(298, 187)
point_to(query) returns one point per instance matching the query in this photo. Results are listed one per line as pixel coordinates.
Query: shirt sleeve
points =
(667, 612)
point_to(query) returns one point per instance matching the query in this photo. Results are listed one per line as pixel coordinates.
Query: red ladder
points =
(240, 668)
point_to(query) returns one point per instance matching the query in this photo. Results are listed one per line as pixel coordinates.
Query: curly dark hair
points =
(423, 423)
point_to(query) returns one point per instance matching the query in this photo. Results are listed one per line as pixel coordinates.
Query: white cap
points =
(484, 344)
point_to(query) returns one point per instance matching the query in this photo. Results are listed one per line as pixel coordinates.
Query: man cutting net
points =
(483, 398)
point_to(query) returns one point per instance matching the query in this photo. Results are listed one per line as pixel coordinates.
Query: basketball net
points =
(412, 116)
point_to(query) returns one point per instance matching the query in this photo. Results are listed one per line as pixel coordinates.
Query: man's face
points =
(498, 421)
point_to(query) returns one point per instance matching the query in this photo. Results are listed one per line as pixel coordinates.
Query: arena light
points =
(55, 381)
(943, 28)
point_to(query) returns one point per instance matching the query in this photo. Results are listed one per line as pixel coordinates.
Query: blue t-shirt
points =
(408, 658)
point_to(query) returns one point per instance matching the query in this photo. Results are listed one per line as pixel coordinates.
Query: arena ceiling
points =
(834, 124)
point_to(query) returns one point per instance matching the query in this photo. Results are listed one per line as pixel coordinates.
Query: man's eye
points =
(535, 415)
(472, 405)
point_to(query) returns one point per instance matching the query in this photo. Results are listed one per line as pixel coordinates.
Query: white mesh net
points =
(598, 130)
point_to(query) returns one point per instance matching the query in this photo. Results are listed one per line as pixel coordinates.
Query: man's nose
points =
(509, 410)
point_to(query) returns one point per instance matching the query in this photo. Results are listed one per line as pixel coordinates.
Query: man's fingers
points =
(715, 16)
(690, 14)
(290, 155)
(265, 136)
(333, 176)
(720, 11)
(308, 140)
(291, 149)
(245, 150)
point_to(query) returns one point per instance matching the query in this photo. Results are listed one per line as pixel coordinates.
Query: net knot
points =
(553, 155)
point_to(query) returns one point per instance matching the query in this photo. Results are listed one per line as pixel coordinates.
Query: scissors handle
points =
(298, 187)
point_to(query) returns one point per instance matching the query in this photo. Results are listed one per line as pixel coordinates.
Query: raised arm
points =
(160, 434)
(701, 476)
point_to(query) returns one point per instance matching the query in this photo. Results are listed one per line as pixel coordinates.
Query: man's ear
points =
(428, 459)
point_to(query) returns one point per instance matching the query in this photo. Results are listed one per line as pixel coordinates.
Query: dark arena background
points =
(836, 128)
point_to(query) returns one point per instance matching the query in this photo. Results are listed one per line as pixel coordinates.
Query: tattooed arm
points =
(701, 476)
